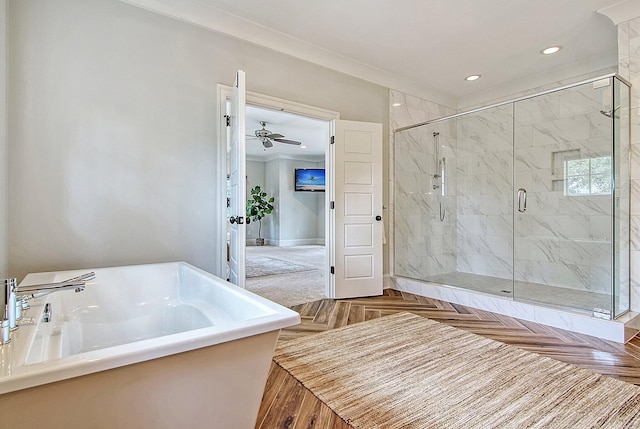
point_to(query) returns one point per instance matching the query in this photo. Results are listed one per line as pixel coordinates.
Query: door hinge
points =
(333, 139)
(228, 119)
(333, 269)
(332, 205)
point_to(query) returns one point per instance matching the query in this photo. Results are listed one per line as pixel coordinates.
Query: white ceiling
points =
(434, 44)
(421, 47)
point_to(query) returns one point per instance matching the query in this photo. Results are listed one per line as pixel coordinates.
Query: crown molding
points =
(622, 11)
(212, 18)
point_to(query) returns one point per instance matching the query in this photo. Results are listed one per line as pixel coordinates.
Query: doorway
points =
(286, 258)
(353, 219)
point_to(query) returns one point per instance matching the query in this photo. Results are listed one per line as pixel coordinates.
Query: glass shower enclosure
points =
(527, 199)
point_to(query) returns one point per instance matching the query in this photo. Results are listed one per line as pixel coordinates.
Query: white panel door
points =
(237, 183)
(357, 214)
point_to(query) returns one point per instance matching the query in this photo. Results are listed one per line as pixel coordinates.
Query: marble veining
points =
(562, 241)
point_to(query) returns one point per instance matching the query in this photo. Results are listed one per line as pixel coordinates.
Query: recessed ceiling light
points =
(550, 50)
(303, 147)
(397, 104)
(473, 77)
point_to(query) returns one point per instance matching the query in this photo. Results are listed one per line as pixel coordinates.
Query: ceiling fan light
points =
(472, 77)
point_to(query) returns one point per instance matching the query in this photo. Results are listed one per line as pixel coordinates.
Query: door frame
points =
(274, 103)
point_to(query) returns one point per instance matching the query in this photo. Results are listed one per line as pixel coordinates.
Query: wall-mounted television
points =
(309, 180)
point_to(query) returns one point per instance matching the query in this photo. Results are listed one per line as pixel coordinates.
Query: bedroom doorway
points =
(353, 167)
(280, 148)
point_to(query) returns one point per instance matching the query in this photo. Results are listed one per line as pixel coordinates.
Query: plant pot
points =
(259, 241)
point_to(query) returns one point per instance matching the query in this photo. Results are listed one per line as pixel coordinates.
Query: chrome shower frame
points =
(440, 166)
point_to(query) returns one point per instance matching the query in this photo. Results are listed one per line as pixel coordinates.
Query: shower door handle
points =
(522, 200)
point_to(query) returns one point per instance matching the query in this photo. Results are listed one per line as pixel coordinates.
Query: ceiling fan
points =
(267, 137)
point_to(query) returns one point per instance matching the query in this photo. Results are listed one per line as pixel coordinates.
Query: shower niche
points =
(536, 202)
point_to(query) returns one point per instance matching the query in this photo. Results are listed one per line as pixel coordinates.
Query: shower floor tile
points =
(534, 292)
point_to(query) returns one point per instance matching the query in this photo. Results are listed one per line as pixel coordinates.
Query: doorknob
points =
(233, 219)
(378, 218)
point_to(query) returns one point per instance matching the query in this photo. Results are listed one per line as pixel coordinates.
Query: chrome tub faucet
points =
(14, 299)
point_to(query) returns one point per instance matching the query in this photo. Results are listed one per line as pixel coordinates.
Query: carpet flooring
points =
(405, 371)
(290, 288)
(257, 266)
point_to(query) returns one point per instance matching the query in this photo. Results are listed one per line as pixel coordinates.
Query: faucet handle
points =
(10, 302)
(8, 310)
(5, 335)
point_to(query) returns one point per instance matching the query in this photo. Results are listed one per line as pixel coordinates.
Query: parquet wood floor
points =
(288, 404)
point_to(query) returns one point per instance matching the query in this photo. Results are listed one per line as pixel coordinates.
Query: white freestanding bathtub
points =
(160, 345)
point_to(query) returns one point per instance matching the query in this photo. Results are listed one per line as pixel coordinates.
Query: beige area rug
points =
(257, 266)
(289, 289)
(405, 371)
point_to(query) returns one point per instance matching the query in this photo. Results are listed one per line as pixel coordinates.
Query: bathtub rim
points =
(21, 376)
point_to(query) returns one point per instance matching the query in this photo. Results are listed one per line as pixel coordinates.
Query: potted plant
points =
(258, 207)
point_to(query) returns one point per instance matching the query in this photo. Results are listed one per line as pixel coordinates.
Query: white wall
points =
(113, 130)
(4, 177)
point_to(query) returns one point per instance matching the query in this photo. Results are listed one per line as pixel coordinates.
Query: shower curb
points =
(619, 330)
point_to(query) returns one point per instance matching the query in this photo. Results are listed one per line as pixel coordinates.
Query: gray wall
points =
(272, 186)
(255, 176)
(298, 217)
(301, 214)
(4, 178)
(113, 130)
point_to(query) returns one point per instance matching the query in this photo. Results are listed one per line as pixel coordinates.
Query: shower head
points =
(610, 113)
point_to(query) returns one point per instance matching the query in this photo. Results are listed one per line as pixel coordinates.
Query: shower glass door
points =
(484, 169)
(622, 197)
(563, 185)
(453, 205)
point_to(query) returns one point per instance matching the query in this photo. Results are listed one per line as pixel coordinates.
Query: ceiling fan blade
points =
(287, 141)
(267, 143)
(275, 136)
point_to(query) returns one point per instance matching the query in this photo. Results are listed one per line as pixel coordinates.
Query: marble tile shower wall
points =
(629, 68)
(420, 242)
(484, 193)
(425, 244)
(415, 110)
(562, 240)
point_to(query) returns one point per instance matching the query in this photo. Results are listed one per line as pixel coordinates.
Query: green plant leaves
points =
(259, 205)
